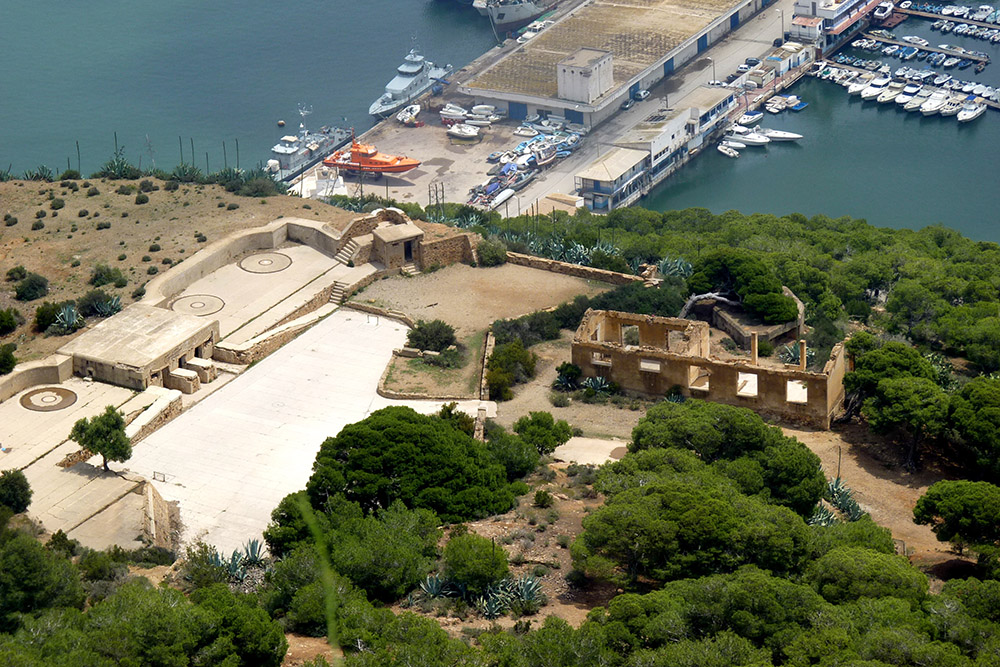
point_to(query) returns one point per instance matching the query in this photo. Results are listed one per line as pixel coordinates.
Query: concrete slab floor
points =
(592, 451)
(246, 294)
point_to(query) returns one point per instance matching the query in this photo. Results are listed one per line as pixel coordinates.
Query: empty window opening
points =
(796, 391)
(698, 378)
(746, 385)
(630, 334)
(600, 359)
(649, 365)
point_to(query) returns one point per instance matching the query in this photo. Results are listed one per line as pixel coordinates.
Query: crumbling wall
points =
(575, 270)
(653, 370)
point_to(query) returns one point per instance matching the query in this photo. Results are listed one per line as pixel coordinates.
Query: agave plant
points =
(491, 607)
(577, 254)
(109, 307)
(676, 398)
(598, 384)
(186, 173)
(842, 498)
(822, 516)
(433, 587)
(674, 267)
(564, 383)
(118, 166)
(6, 174)
(236, 566)
(216, 559)
(39, 173)
(526, 589)
(68, 320)
(254, 553)
(790, 354)
(606, 247)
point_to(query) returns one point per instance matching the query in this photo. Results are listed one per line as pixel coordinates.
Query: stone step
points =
(337, 293)
(347, 252)
(409, 269)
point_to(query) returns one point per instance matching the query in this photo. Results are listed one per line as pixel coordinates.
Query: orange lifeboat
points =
(366, 158)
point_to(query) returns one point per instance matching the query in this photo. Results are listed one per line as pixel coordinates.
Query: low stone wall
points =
(54, 369)
(575, 270)
(381, 312)
(484, 387)
(166, 404)
(442, 252)
(260, 346)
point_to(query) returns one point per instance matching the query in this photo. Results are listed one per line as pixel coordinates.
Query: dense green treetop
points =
(104, 434)
(746, 274)
(850, 573)
(15, 492)
(915, 405)
(542, 431)
(398, 454)
(961, 511)
(975, 419)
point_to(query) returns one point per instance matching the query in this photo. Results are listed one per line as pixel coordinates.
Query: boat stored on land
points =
(463, 131)
(365, 158)
(414, 77)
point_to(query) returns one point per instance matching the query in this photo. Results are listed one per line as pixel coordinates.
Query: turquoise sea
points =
(208, 71)
(215, 72)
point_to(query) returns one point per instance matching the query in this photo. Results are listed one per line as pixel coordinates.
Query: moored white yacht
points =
(750, 117)
(907, 94)
(934, 103)
(754, 138)
(861, 83)
(971, 111)
(953, 105)
(779, 135)
(918, 100)
(875, 88)
(891, 91)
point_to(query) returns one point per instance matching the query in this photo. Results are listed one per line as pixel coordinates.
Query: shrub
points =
(141, 198)
(122, 257)
(167, 261)
(146, 258)
(543, 499)
(508, 365)
(146, 185)
(203, 567)
(102, 225)
(171, 186)
(92, 192)
(17, 273)
(46, 314)
(32, 287)
(154, 247)
(221, 204)
(765, 348)
(200, 238)
(232, 207)
(9, 320)
(82, 213)
(125, 189)
(435, 335)
(542, 431)
(559, 399)
(9, 220)
(528, 329)
(139, 292)
(152, 271)
(40, 213)
(94, 302)
(15, 492)
(69, 174)
(491, 252)
(56, 204)
(105, 275)
(36, 225)
(475, 562)
(7, 359)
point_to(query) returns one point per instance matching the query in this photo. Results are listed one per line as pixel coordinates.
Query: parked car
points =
(715, 82)
(743, 68)
(753, 62)
(628, 104)
(732, 77)
(640, 95)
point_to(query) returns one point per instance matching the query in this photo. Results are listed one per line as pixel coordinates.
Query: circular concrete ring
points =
(198, 304)
(48, 399)
(266, 262)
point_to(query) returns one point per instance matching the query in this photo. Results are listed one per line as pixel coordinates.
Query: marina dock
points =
(935, 17)
(932, 49)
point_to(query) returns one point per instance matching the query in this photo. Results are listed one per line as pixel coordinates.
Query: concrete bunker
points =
(674, 354)
(145, 345)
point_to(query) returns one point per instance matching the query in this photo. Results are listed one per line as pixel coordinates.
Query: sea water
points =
(207, 72)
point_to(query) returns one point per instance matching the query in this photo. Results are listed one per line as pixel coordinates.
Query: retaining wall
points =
(575, 270)
(53, 369)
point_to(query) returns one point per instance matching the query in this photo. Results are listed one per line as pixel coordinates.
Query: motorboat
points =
(739, 129)
(779, 135)
(951, 62)
(952, 106)
(918, 100)
(912, 39)
(413, 78)
(907, 94)
(754, 138)
(409, 114)
(971, 111)
(523, 131)
(463, 131)
(727, 151)
(883, 11)
(366, 158)
(934, 103)
(875, 88)
(734, 144)
(891, 91)
(859, 85)
(750, 117)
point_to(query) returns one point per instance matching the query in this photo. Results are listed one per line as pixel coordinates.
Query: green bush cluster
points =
(509, 364)
(10, 319)
(31, 287)
(106, 275)
(434, 335)
(491, 253)
(7, 359)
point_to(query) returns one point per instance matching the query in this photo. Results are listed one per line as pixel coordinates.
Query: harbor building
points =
(583, 67)
(653, 149)
(828, 23)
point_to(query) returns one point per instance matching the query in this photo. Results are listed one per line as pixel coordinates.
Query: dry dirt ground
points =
(413, 375)
(302, 649)
(169, 219)
(470, 299)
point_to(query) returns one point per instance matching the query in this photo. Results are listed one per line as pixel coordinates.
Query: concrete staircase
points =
(347, 252)
(338, 292)
(409, 269)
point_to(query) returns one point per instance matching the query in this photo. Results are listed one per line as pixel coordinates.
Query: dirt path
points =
(887, 493)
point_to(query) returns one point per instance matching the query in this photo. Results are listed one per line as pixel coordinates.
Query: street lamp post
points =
(714, 77)
(782, 12)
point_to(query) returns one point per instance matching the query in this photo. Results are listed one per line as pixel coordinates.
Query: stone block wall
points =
(442, 252)
(575, 270)
(794, 395)
(51, 370)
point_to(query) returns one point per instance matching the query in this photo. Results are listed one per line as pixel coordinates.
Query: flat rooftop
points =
(638, 33)
(137, 336)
